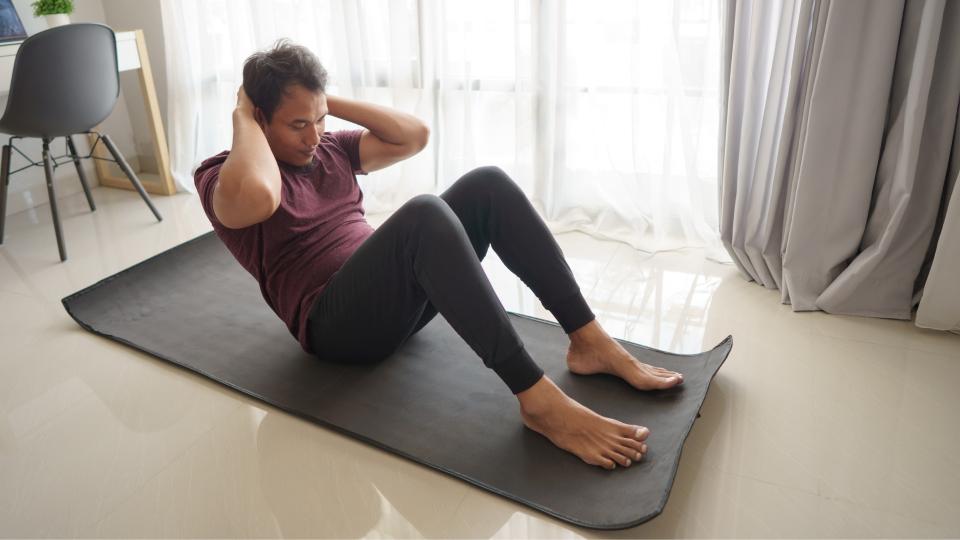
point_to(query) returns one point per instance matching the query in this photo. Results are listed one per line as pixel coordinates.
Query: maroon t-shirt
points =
(320, 222)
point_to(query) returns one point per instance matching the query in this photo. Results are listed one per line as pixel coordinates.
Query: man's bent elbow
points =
(423, 137)
(238, 210)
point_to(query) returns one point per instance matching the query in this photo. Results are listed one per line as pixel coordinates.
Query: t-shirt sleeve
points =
(206, 180)
(349, 141)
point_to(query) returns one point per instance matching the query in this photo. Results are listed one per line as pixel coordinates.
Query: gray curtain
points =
(837, 138)
(939, 308)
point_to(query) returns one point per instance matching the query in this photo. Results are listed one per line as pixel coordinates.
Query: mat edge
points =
(683, 441)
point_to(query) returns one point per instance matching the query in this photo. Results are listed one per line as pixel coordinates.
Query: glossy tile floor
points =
(817, 426)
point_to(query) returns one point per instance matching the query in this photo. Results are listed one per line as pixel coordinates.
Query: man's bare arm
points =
(391, 137)
(248, 189)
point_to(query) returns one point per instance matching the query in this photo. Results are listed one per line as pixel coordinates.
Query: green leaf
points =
(52, 7)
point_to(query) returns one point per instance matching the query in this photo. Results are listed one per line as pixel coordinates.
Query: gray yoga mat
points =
(433, 401)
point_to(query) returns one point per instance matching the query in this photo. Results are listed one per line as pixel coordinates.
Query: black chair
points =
(65, 81)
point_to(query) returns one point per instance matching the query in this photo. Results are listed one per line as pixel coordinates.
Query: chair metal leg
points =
(129, 172)
(80, 173)
(48, 169)
(4, 182)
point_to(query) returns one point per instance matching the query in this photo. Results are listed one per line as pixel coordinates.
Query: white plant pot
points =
(57, 19)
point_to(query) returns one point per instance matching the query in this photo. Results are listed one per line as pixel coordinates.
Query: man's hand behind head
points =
(245, 106)
(243, 101)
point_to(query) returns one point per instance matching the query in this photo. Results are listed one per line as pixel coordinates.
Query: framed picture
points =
(11, 29)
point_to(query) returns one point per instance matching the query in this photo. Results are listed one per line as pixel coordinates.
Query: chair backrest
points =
(65, 80)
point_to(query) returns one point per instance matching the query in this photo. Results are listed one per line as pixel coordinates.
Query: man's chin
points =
(300, 161)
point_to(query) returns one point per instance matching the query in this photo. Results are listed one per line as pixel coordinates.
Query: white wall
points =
(122, 15)
(127, 125)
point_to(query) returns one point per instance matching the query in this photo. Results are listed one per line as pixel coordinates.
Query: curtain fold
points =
(939, 307)
(840, 119)
(607, 118)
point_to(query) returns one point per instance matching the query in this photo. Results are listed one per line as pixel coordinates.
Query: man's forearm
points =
(389, 125)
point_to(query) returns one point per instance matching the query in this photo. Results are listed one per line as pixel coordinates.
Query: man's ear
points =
(259, 117)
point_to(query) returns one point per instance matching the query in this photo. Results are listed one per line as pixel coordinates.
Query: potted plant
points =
(56, 11)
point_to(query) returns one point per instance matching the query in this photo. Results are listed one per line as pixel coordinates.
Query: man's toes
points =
(619, 458)
(629, 452)
(668, 382)
(635, 447)
(643, 451)
(636, 432)
(679, 376)
(664, 372)
(600, 460)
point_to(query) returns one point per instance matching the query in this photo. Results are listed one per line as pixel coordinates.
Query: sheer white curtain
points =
(605, 114)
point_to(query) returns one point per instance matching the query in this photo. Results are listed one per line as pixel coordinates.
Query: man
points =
(286, 202)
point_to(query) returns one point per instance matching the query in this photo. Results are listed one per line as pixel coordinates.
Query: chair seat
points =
(15, 126)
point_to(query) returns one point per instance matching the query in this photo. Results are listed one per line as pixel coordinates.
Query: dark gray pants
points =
(426, 257)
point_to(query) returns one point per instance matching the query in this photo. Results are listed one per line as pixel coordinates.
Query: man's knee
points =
(425, 206)
(490, 178)
(428, 212)
(491, 171)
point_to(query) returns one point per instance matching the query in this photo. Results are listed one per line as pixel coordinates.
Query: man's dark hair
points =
(267, 74)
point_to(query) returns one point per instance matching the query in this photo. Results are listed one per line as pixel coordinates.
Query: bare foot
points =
(602, 354)
(595, 439)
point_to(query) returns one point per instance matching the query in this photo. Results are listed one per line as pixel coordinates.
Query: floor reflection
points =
(659, 301)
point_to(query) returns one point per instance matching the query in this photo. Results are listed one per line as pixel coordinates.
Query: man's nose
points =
(313, 137)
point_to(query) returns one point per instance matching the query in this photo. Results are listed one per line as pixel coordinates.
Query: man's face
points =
(295, 129)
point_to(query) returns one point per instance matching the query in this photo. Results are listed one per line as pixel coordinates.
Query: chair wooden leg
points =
(4, 182)
(129, 172)
(48, 169)
(80, 173)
